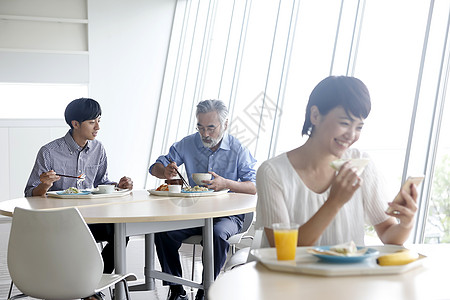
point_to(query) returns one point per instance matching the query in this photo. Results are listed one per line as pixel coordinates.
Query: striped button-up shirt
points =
(65, 156)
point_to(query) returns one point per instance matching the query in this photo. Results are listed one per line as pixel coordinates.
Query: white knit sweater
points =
(283, 197)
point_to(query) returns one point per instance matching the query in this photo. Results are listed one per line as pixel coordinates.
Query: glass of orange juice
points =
(285, 235)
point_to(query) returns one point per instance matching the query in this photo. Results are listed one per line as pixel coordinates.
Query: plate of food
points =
(328, 254)
(73, 191)
(196, 191)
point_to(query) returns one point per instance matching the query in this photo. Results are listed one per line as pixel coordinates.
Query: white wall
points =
(128, 44)
(21, 140)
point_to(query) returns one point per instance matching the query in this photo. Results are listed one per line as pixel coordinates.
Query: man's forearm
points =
(246, 187)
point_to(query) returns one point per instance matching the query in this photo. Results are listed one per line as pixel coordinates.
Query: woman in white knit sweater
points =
(331, 206)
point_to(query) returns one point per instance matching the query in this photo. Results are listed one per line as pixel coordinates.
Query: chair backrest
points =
(258, 240)
(248, 220)
(53, 255)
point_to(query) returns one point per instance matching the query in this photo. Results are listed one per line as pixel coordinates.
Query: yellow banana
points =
(401, 257)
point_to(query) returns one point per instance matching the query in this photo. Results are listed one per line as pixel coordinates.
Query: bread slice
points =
(358, 163)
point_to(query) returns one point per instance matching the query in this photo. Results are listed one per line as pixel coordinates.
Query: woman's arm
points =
(392, 232)
(343, 187)
(271, 203)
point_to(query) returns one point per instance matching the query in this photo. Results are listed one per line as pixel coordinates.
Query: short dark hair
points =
(333, 91)
(82, 109)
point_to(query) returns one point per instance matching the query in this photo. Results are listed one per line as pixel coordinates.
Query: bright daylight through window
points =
(264, 57)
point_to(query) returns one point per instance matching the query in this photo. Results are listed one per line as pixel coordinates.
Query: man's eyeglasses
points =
(209, 129)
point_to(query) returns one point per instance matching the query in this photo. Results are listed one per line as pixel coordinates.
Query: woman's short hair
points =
(333, 91)
(207, 106)
(82, 109)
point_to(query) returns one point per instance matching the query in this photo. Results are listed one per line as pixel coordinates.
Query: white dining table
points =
(141, 213)
(429, 281)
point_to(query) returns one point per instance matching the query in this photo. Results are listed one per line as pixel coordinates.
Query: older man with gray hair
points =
(211, 150)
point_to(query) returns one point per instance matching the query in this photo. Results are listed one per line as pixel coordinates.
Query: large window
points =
(264, 57)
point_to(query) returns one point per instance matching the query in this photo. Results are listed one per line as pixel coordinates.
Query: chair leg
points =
(100, 243)
(127, 291)
(193, 261)
(18, 296)
(193, 264)
(10, 290)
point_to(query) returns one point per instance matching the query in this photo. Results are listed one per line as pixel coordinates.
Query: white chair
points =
(243, 256)
(53, 255)
(232, 240)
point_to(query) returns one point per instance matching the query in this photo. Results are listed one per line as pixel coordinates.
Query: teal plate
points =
(80, 193)
(208, 191)
(345, 259)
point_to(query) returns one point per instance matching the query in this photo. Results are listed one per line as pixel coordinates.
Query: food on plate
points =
(346, 249)
(163, 187)
(195, 189)
(358, 163)
(72, 190)
(401, 257)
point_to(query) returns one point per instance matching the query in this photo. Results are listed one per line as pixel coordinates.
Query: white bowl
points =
(198, 177)
(174, 188)
(106, 188)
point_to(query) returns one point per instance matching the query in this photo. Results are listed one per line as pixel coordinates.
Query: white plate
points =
(91, 195)
(190, 194)
(117, 191)
(306, 263)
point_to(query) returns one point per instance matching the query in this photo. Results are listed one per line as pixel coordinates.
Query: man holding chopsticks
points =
(77, 160)
(231, 164)
(78, 157)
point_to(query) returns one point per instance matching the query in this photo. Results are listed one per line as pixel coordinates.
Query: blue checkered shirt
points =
(65, 156)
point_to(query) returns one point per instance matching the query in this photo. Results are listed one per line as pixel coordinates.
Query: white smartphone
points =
(416, 180)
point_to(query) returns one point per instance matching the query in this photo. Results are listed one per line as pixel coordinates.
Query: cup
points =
(106, 188)
(174, 188)
(174, 181)
(285, 235)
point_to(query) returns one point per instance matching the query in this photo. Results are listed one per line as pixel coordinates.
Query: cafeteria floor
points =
(135, 261)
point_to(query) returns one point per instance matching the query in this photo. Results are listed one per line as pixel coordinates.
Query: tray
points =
(187, 194)
(306, 263)
(91, 195)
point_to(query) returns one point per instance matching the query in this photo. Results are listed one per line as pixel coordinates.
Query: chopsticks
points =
(77, 177)
(182, 178)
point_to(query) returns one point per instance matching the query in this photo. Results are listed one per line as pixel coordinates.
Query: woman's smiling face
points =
(336, 130)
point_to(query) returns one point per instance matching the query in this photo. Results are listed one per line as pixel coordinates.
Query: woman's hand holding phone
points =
(416, 180)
